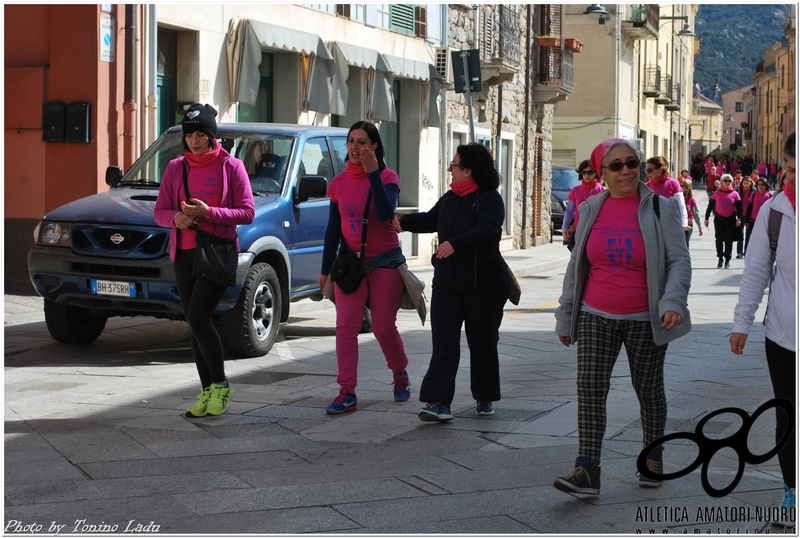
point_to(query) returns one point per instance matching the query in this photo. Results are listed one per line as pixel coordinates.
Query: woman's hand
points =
(183, 221)
(671, 319)
(396, 221)
(444, 250)
(687, 228)
(368, 160)
(323, 280)
(705, 222)
(738, 340)
(566, 340)
(701, 230)
(196, 209)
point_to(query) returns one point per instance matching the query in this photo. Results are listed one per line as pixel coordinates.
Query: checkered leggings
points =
(599, 342)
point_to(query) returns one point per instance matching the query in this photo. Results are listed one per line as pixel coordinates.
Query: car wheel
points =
(249, 330)
(73, 324)
(366, 323)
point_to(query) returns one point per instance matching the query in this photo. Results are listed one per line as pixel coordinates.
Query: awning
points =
(431, 81)
(247, 38)
(379, 100)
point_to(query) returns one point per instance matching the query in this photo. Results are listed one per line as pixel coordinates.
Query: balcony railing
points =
(665, 96)
(675, 104)
(509, 37)
(557, 68)
(640, 21)
(652, 81)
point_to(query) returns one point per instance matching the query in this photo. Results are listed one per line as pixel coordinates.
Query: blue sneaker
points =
(484, 408)
(655, 464)
(584, 478)
(402, 387)
(787, 517)
(346, 401)
(435, 411)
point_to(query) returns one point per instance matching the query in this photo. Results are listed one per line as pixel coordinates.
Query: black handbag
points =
(215, 258)
(347, 270)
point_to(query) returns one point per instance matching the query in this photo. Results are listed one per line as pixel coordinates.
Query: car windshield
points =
(265, 158)
(564, 180)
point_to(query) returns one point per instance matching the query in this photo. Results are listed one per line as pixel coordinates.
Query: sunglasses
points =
(453, 163)
(632, 164)
(589, 172)
(650, 170)
(727, 181)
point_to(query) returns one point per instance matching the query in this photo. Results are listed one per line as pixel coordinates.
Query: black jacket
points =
(473, 225)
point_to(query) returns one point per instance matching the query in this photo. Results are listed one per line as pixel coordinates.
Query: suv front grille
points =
(134, 242)
(102, 269)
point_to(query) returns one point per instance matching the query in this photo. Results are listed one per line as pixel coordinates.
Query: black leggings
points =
(782, 370)
(725, 234)
(199, 299)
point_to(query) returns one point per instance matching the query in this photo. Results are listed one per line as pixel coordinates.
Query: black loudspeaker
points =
(54, 121)
(79, 117)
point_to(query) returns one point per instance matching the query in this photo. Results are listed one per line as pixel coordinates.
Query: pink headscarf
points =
(597, 154)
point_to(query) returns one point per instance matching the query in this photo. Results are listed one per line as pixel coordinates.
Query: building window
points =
(384, 15)
(704, 128)
(328, 8)
(739, 106)
(354, 12)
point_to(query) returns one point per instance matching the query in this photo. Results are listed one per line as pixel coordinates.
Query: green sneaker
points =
(220, 396)
(199, 408)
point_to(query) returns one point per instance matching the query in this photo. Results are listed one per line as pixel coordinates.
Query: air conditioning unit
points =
(443, 65)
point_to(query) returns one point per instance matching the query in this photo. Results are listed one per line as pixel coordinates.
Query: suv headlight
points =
(55, 233)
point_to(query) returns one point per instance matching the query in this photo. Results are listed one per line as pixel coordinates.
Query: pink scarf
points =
(791, 194)
(355, 171)
(590, 185)
(199, 161)
(465, 187)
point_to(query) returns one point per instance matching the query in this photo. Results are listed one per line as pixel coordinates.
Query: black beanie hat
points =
(200, 118)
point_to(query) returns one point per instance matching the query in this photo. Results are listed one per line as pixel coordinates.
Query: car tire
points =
(366, 322)
(249, 330)
(73, 324)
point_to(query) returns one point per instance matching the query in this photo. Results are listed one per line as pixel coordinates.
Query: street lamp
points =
(687, 31)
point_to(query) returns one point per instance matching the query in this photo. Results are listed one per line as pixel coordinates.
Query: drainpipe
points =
(129, 105)
(152, 77)
(526, 122)
(497, 152)
(444, 126)
(619, 62)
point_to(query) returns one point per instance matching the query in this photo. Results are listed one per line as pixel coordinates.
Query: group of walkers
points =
(627, 281)
(746, 165)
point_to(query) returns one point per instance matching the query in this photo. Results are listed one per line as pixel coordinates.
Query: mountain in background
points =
(734, 37)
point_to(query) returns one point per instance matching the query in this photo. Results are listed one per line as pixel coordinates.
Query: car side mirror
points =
(113, 176)
(311, 187)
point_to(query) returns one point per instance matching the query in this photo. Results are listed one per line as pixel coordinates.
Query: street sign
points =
(466, 70)
(106, 38)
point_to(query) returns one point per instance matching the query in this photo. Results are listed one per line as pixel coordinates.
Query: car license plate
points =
(117, 289)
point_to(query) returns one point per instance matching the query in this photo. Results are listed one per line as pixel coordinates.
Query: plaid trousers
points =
(599, 342)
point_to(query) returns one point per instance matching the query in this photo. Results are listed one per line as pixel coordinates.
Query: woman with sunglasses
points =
(470, 283)
(590, 185)
(727, 207)
(658, 179)
(618, 291)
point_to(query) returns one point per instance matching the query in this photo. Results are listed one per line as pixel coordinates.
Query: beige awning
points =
(247, 38)
(379, 100)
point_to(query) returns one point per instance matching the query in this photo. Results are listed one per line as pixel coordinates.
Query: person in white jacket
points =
(780, 319)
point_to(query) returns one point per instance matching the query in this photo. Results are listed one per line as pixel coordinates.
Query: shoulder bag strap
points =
(364, 223)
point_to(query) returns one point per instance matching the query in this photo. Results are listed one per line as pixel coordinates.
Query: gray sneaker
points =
(655, 464)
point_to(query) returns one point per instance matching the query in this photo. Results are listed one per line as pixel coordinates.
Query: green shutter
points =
(401, 18)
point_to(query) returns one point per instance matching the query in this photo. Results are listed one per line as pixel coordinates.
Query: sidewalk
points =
(97, 433)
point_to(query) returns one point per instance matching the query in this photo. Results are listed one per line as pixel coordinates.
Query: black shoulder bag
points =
(347, 270)
(215, 258)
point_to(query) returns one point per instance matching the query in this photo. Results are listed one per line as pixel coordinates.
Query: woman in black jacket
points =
(470, 284)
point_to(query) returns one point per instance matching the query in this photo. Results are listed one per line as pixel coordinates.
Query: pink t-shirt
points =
(350, 195)
(205, 184)
(667, 188)
(758, 201)
(710, 167)
(745, 198)
(725, 202)
(690, 204)
(762, 169)
(580, 193)
(617, 281)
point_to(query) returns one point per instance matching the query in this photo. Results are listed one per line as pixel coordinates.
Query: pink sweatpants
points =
(383, 287)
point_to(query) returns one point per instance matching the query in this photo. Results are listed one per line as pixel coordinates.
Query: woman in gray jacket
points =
(627, 282)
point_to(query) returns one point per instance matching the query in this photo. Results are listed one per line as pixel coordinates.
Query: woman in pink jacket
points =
(220, 198)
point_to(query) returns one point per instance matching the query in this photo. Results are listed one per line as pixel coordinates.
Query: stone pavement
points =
(95, 435)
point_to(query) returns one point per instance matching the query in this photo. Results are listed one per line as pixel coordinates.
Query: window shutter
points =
(343, 10)
(420, 21)
(401, 18)
(486, 43)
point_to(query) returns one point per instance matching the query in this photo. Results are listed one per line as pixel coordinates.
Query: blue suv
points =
(104, 255)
